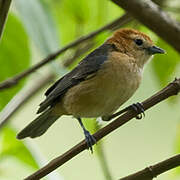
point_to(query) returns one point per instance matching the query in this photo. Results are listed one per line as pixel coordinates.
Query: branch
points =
(14, 80)
(81, 49)
(171, 89)
(22, 97)
(153, 171)
(152, 16)
(4, 8)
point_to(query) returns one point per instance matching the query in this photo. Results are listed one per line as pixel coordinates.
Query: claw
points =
(90, 140)
(138, 107)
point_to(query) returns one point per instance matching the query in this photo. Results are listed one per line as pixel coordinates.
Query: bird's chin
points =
(145, 58)
(148, 58)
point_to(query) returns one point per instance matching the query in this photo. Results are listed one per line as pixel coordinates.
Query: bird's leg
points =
(137, 107)
(90, 140)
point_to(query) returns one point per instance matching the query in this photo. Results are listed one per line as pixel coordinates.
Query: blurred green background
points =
(37, 28)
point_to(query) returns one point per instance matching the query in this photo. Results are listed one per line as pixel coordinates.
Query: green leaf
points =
(164, 66)
(39, 24)
(10, 146)
(82, 16)
(14, 56)
(78, 10)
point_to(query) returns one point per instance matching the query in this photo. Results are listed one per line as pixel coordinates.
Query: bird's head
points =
(135, 44)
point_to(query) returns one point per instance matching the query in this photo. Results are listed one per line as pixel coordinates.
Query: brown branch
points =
(153, 171)
(22, 97)
(170, 90)
(4, 8)
(14, 80)
(152, 16)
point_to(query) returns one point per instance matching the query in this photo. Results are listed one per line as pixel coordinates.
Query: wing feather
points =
(89, 65)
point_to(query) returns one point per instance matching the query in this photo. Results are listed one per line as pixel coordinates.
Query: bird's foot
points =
(90, 140)
(138, 107)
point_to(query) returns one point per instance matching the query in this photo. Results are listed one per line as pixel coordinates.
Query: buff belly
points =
(101, 94)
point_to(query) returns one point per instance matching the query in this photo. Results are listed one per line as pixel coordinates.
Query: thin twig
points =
(170, 90)
(26, 93)
(152, 16)
(153, 171)
(79, 51)
(4, 8)
(14, 80)
(105, 166)
(22, 97)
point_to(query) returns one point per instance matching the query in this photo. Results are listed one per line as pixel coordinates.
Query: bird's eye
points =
(139, 42)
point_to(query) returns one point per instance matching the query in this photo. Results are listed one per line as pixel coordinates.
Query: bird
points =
(101, 82)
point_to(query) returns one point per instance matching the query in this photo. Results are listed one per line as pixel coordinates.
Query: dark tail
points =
(39, 126)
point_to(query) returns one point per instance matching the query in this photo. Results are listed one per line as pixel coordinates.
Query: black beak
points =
(155, 50)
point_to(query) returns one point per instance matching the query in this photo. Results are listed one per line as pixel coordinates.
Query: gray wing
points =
(87, 66)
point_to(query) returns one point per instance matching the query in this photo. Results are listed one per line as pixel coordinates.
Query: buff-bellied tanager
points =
(99, 85)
